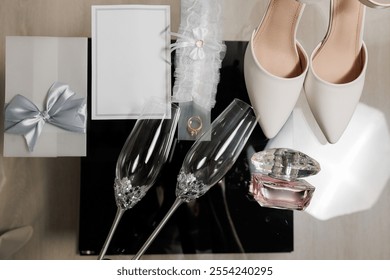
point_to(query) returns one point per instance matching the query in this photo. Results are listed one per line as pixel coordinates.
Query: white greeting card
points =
(33, 65)
(130, 59)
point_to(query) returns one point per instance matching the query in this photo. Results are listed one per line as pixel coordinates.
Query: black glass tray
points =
(224, 220)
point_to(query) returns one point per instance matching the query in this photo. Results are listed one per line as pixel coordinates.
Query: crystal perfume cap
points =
(285, 164)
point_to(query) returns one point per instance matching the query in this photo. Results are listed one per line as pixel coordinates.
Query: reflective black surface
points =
(225, 220)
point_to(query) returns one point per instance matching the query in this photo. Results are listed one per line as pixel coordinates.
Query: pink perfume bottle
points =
(275, 182)
(276, 193)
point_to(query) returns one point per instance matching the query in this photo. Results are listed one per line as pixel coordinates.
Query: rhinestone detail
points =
(188, 187)
(126, 195)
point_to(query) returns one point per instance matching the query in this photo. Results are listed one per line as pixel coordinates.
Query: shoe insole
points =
(274, 42)
(339, 58)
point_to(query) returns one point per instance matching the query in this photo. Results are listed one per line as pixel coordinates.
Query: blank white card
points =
(130, 60)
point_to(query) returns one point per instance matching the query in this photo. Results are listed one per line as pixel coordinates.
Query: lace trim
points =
(199, 53)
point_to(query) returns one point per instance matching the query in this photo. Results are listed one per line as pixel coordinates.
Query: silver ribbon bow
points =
(22, 117)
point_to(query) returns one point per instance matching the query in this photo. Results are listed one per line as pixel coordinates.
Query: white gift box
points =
(33, 64)
(130, 60)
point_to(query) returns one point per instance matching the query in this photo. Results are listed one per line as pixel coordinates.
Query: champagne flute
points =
(140, 161)
(210, 158)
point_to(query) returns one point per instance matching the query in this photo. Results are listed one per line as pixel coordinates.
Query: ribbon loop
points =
(22, 117)
(196, 42)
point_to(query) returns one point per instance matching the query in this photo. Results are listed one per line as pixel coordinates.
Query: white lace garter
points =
(199, 52)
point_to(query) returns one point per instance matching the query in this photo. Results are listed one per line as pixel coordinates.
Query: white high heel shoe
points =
(275, 65)
(337, 68)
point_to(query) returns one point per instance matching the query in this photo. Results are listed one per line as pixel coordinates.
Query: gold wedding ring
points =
(194, 125)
